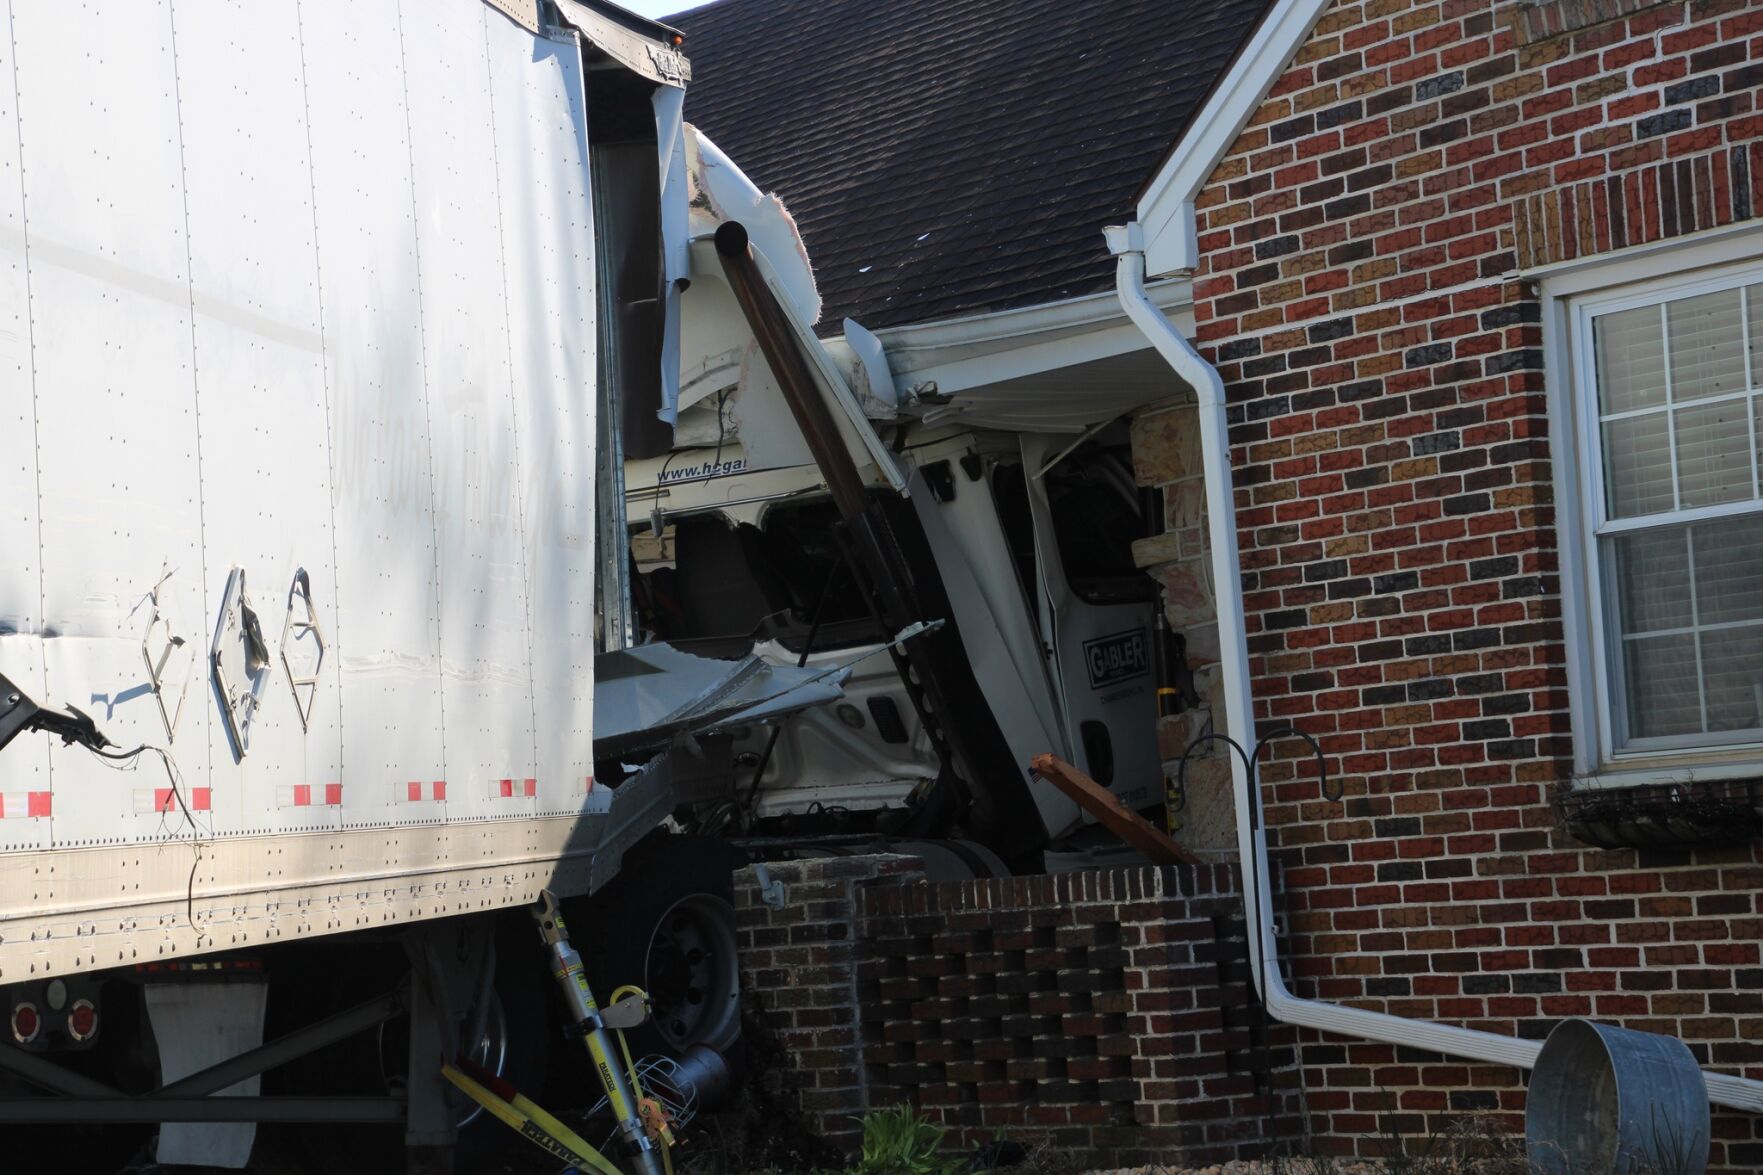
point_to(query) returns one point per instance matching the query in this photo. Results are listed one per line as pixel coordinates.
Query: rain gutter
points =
(1127, 243)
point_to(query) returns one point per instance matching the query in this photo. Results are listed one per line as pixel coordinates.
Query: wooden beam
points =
(1115, 816)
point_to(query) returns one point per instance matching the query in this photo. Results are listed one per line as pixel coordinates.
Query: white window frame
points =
(1571, 293)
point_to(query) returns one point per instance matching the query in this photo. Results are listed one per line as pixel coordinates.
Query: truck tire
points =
(667, 925)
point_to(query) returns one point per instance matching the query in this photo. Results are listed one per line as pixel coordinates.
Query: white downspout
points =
(1127, 243)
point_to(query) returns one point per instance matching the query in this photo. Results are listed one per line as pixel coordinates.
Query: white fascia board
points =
(1166, 210)
(982, 349)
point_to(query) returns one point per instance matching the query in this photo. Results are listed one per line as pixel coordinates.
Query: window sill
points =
(1659, 770)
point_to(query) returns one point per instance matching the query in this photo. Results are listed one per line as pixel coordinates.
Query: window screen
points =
(1679, 516)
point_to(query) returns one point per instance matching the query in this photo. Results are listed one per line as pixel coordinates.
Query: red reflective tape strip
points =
(163, 799)
(302, 794)
(413, 791)
(37, 803)
(506, 788)
(201, 798)
(529, 787)
(440, 789)
(333, 794)
(590, 786)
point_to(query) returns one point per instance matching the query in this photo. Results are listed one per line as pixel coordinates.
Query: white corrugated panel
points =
(548, 239)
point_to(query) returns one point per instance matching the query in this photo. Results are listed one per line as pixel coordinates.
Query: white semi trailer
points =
(305, 313)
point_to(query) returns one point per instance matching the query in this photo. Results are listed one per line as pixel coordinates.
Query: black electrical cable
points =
(131, 761)
(721, 430)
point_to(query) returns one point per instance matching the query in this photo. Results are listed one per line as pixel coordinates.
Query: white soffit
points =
(957, 355)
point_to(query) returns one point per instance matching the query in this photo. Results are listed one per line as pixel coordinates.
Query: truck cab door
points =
(1097, 612)
(993, 612)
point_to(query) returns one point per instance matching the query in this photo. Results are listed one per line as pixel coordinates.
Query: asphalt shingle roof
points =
(949, 157)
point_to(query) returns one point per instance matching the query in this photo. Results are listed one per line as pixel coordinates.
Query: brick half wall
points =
(1106, 1012)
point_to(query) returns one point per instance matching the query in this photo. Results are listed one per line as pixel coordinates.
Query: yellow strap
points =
(534, 1123)
(665, 1141)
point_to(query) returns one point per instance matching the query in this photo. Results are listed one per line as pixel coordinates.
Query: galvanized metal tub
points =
(1611, 1101)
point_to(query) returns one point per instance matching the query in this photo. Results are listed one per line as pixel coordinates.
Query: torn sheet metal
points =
(646, 696)
(524, 13)
(721, 192)
(676, 243)
(860, 436)
(620, 35)
(871, 381)
(718, 354)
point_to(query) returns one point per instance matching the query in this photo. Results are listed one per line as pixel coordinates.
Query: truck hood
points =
(647, 696)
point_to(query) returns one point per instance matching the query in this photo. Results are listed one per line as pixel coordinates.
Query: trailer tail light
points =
(82, 1020)
(27, 1023)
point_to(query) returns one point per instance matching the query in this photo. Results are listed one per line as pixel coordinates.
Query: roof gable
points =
(946, 158)
(1166, 206)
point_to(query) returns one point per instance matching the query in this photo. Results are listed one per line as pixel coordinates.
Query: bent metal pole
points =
(783, 355)
(874, 544)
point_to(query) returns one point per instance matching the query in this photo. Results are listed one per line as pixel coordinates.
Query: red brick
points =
(1558, 162)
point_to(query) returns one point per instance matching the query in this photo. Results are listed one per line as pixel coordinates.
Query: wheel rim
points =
(693, 976)
(489, 1052)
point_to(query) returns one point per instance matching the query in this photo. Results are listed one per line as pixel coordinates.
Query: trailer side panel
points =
(296, 338)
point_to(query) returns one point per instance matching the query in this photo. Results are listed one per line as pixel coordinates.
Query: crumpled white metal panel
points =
(293, 305)
(548, 241)
(676, 244)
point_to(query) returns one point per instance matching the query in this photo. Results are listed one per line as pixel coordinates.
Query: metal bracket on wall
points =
(300, 626)
(771, 890)
(168, 658)
(240, 659)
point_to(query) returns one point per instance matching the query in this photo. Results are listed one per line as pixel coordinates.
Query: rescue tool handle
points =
(644, 1129)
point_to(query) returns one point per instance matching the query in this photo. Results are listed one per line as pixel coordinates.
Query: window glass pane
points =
(1637, 466)
(1754, 303)
(1707, 345)
(1732, 662)
(1631, 360)
(1662, 695)
(1653, 581)
(1713, 453)
(1679, 408)
(1729, 569)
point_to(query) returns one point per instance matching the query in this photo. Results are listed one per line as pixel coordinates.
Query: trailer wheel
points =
(516, 1042)
(667, 925)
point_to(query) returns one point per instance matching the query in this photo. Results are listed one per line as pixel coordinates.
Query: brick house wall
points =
(1105, 1012)
(1361, 292)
